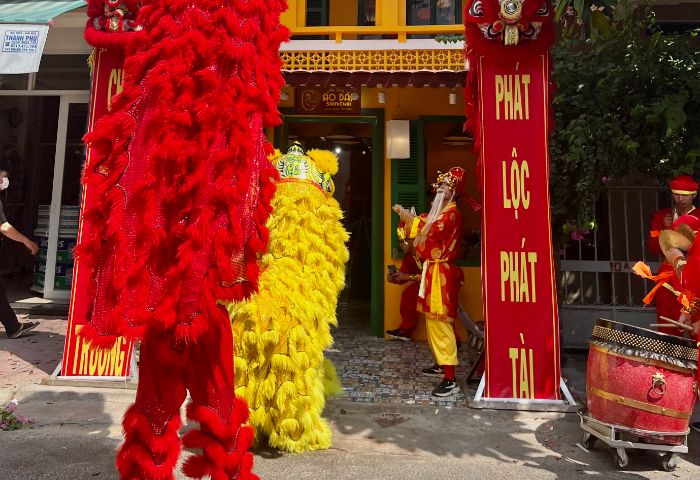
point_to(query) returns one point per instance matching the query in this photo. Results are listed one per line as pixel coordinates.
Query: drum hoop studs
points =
(653, 345)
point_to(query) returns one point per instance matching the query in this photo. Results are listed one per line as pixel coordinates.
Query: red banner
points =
(519, 298)
(79, 358)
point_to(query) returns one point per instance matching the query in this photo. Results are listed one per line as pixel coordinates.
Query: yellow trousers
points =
(442, 341)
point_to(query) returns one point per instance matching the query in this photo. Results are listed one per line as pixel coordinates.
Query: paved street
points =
(77, 431)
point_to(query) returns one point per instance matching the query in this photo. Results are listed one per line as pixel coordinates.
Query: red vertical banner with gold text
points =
(519, 296)
(79, 358)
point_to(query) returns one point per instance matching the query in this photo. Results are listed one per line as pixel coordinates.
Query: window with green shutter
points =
(317, 13)
(408, 181)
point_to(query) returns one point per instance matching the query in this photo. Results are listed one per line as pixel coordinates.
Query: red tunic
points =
(666, 301)
(441, 276)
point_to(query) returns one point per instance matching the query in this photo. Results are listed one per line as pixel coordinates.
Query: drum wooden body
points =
(641, 379)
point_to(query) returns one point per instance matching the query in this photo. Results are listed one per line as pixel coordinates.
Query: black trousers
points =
(7, 315)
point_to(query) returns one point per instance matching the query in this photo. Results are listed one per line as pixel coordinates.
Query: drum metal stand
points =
(611, 435)
(475, 346)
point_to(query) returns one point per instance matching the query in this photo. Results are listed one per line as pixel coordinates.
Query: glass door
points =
(64, 211)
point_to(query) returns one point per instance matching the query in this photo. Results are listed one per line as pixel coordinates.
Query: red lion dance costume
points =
(178, 193)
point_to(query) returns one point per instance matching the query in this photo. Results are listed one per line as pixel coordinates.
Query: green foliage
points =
(627, 102)
(447, 39)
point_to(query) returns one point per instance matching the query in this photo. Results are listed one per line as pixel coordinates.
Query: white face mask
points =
(4, 183)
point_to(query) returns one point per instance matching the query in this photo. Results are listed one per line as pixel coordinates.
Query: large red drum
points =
(641, 379)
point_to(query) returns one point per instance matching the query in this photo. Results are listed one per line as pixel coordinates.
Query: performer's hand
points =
(405, 215)
(684, 318)
(419, 240)
(401, 278)
(668, 220)
(392, 277)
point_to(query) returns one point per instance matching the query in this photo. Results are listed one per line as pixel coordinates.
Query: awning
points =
(35, 11)
(373, 79)
(24, 26)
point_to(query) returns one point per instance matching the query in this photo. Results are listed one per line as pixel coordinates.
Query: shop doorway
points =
(41, 147)
(359, 144)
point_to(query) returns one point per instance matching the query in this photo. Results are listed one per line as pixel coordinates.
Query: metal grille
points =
(596, 271)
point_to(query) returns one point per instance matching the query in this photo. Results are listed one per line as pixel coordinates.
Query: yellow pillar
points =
(295, 15)
(301, 12)
(387, 13)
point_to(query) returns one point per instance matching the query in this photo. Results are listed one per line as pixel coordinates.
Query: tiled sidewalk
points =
(375, 370)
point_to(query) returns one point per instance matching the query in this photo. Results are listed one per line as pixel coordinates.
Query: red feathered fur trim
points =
(224, 443)
(145, 454)
(178, 182)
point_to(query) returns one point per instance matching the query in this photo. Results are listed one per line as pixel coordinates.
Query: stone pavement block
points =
(30, 358)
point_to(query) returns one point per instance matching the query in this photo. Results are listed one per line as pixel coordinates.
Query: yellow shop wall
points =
(343, 13)
(409, 104)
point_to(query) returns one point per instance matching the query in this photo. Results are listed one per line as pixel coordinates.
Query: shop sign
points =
(21, 47)
(17, 41)
(520, 304)
(327, 100)
(80, 358)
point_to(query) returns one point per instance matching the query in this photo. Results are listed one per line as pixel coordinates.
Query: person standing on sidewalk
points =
(680, 247)
(8, 318)
(437, 245)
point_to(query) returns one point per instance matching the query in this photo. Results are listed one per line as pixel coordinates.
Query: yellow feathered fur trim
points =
(274, 155)
(281, 332)
(325, 160)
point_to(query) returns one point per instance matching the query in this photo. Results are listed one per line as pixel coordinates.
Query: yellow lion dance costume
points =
(281, 332)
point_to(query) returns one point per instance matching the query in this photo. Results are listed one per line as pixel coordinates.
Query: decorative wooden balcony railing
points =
(373, 60)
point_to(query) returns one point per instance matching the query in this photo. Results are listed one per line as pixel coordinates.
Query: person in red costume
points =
(178, 189)
(680, 245)
(408, 272)
(683, 189)
(437, 246)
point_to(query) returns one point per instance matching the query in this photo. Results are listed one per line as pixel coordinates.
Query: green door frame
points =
(375, 118)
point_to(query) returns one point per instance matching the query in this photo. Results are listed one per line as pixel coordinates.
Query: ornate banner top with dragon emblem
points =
(493, 24)
(110, 22)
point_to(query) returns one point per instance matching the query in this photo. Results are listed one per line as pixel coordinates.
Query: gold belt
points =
(646, 407)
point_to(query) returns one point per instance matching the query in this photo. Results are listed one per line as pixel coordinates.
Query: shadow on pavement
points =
(457, 434)
(35, 354)
(563, 436)
(70, 438)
